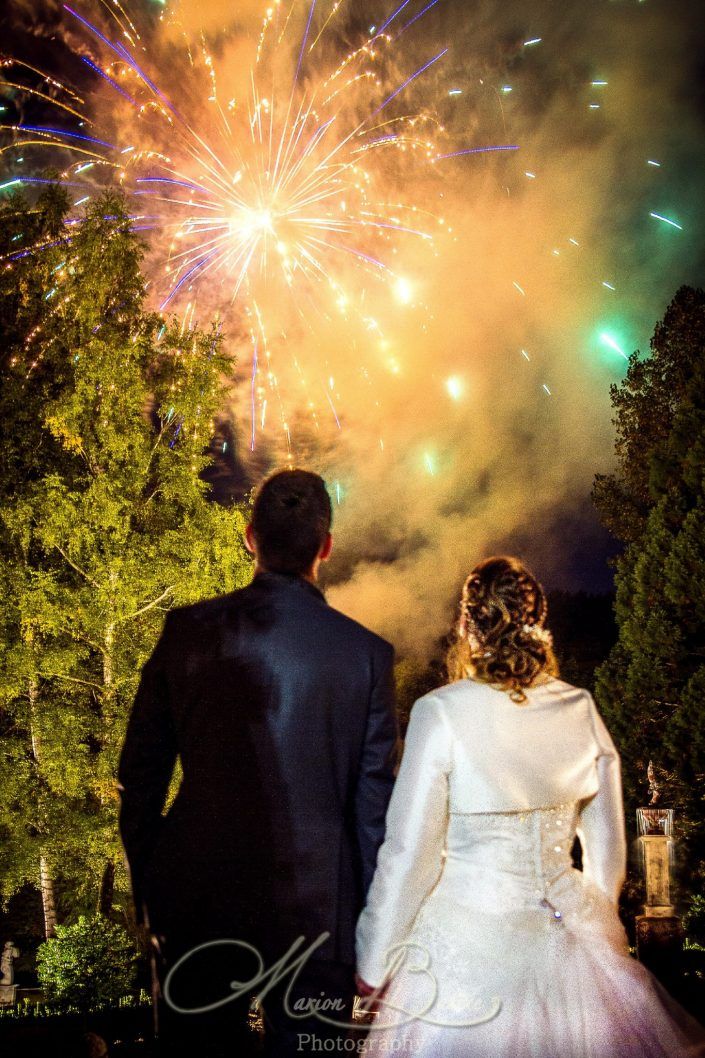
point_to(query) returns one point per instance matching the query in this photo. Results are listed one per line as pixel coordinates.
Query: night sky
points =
(474, 414)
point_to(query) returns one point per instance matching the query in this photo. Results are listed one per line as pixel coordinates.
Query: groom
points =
(281, 713)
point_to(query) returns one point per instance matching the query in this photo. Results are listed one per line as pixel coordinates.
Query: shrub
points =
(694, 920)
(87, 965)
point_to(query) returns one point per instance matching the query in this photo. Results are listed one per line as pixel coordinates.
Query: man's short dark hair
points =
(291, 518)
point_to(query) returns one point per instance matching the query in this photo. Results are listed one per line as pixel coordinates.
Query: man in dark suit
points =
(281, 712)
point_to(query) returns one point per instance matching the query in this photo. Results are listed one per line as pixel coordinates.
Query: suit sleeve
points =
(601, 825)
(411, 858)
(378, 765)
(147, 763)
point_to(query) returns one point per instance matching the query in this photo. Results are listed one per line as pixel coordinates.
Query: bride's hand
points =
(366, 991)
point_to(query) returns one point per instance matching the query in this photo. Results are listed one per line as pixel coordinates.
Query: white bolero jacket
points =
(469, 748)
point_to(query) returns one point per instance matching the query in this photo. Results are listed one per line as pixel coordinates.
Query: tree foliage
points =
(105, 418)
(87, 965)
(652, 687)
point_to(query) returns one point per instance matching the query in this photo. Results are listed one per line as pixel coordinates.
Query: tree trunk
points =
(107, 888)
(107, 883)
(46, 879)
(46, 887)
(108, 675)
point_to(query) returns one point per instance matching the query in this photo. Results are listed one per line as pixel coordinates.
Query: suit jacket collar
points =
(288, 580)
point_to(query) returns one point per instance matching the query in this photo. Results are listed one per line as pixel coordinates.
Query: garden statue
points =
(8, 988)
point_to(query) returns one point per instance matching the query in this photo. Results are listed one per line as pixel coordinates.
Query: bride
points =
(479, 934)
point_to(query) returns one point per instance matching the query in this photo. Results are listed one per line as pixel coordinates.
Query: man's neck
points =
(310, 575)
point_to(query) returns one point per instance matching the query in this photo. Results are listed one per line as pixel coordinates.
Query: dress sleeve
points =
(411, 857)
(601, 825)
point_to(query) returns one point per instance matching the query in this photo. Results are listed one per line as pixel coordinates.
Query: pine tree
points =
(651, 687)
(106, 523)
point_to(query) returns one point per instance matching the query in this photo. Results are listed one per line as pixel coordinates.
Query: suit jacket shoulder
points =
(373, 642)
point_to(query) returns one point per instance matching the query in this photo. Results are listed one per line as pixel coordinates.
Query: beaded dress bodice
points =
(524, 858)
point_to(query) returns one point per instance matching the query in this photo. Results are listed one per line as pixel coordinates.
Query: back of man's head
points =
(291, 520)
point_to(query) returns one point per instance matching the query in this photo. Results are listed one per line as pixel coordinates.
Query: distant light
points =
(455, 92)
(526, 355)
(506, 88)
(608, 285)
(429, 463)
(547, 390)
(455, 387)
(520, 289)
(598, 84)
(531, 176)
(650, 161)
(574, 242)
(534, 40)
(594, 106)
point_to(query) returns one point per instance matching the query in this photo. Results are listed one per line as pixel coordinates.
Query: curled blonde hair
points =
(501, 637)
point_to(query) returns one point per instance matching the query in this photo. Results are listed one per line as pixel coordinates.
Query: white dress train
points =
(508, 951)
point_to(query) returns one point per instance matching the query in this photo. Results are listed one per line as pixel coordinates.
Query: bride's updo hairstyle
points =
(501, 636)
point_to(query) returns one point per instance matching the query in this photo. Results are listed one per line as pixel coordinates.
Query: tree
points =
(106, 523)
(652, 686)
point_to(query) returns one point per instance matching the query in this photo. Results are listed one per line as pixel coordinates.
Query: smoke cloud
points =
(478, 424)
(473, 414)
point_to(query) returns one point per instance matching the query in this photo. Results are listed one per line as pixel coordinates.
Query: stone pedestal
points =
(656, 852)
(8, 995)
(659, 934)
(659, 946)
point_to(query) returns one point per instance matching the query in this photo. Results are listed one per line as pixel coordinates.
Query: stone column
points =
(659, 934)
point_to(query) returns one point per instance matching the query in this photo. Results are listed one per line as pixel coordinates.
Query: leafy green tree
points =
(106, 523)
(652, 686)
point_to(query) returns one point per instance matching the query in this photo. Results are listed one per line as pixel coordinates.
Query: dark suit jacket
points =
(281, 710)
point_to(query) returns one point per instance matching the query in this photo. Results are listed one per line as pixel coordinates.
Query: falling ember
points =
(455, 387)
(665, 220)
(612, 343)
(403, 291)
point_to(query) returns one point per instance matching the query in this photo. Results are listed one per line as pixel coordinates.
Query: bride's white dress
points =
(508, 950)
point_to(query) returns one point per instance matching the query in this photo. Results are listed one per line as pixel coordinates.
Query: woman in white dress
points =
(503, 949)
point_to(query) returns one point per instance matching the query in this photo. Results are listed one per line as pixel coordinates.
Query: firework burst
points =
(278, 197)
